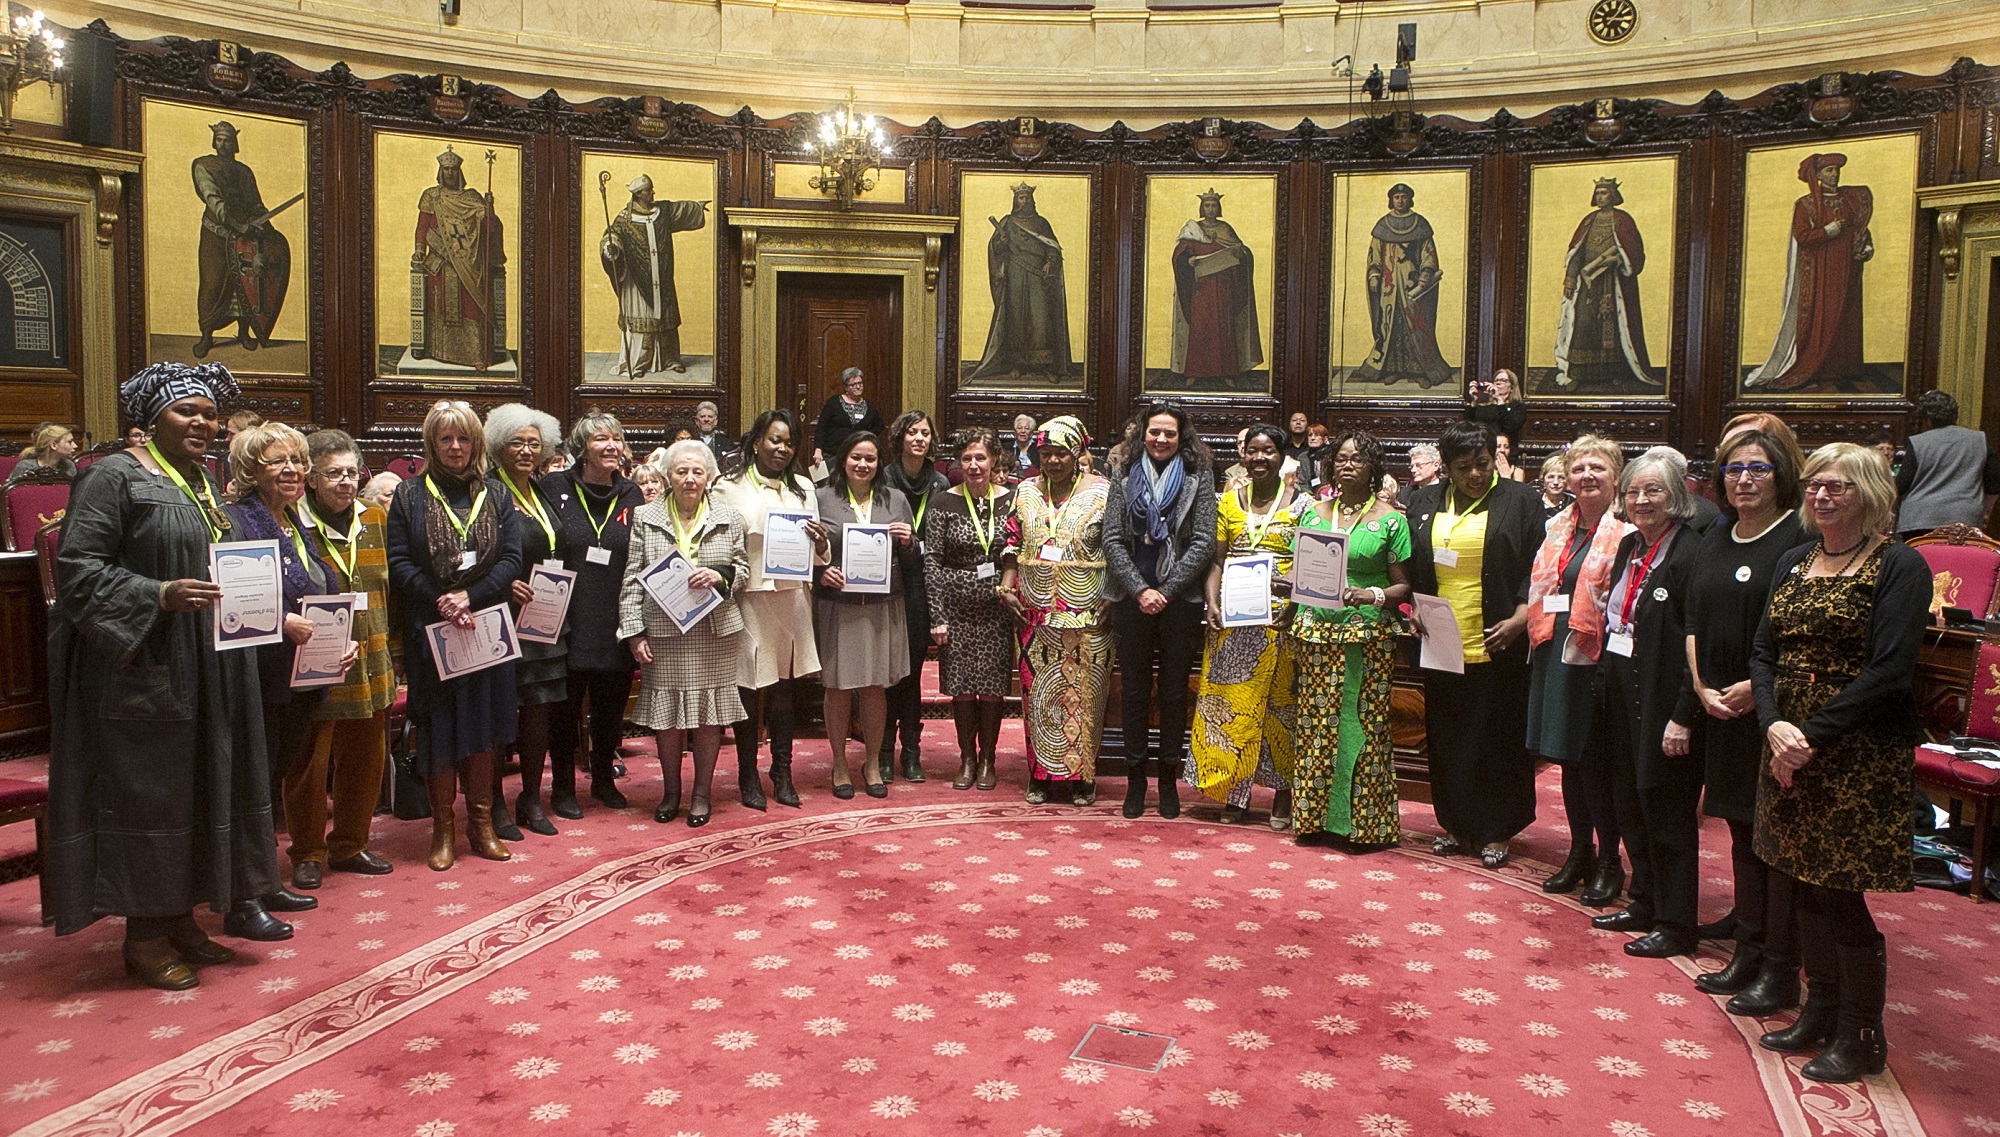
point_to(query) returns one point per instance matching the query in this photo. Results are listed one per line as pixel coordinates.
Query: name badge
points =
(1619, 643)
(983, 572)
(467, 559)
(1554, 602)
(1743, 574)
(922, 549)
(1447, 558)
(597, 555)
(1051, 552)
(361, 602)
(554, 563)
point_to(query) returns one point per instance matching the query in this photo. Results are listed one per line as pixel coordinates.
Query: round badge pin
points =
(1660, 595)
(1743, 574)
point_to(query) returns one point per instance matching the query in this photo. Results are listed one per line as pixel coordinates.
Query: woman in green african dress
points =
(1344, 784)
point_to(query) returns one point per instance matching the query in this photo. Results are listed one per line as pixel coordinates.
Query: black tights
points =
(532, 740)
(1766, 913)
(775, 702)
(1590, 805)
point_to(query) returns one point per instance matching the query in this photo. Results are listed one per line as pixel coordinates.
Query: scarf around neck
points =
(1148, 514)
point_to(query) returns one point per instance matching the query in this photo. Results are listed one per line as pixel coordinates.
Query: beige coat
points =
(721, 548)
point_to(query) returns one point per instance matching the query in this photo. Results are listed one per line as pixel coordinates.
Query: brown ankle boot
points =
(444, 836)
(478, 775)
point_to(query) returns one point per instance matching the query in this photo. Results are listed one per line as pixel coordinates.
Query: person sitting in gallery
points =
(53, 451)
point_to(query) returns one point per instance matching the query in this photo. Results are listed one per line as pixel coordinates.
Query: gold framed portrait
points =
(1397, 292)
(1823, 280)
(226, 221)
(1024, 281)
(447, 256)
(1601, 271)
(1210, 283)
(647, 275)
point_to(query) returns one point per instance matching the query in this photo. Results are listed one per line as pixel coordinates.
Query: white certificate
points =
(1246, 590)
(489, 642)
(252, 609)
(318, 661)
(541, 619)
(865, 556)
(1440, 648)
(1319, 568)
(788, 551)
(666, 581)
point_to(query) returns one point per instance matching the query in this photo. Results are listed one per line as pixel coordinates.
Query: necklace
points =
(1852, 553)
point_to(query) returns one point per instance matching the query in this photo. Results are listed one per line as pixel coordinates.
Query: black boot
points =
(1135, 789)
(1606, 882)
(503, 824)
(749, 790)
(1814, 1025)
(1170, 798)
(913, 765)
(1857, 1050)
(1775, 989)
(562, 787)
(1581, 862)
(1738, 973)
(885, 758)
(782, 790)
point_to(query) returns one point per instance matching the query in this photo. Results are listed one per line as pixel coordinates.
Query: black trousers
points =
(906, 699)
(1476, 727)
(1162, 649)
(602, 695)
(775, 704)
(285, 728)
(1660, 822)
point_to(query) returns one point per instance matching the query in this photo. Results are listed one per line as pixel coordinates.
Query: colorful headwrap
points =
(1065, 431)
(161, 385)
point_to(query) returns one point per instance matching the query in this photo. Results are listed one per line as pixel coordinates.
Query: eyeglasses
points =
(338, 476)
(1831, 487)
(1755, 471)
(1351, 460)
(1646, 493)
(525, 445)
(283, 461)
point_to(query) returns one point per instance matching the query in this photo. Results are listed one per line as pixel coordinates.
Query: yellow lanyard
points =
(1367, 507)
(462, 527)
(992, 526)
(203, 501)
(1056, 511)
(1251, 528)
(1458, 519)
(859, 515)
(686, 538)
(345, 564)
(923, 503)
(298, 539)
(610, 507)
(533, 508)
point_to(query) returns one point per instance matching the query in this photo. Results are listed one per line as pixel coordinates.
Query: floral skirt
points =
(1244, 714)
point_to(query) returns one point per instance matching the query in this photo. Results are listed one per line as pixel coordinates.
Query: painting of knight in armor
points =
(648, 276)
(226, 218)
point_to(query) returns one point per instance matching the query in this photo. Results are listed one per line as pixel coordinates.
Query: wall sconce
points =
(30, 53)
(849, 148)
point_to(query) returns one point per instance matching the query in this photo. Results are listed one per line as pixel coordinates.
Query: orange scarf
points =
(1593, 582)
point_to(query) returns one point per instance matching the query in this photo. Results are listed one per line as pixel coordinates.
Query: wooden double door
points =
(830, 321)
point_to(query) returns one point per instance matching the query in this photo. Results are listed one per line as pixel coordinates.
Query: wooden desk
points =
(1942, 685)
(24, 649)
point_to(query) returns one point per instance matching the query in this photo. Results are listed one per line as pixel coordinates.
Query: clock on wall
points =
(1613, 21)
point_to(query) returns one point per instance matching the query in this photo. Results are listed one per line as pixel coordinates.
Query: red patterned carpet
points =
(931, 964)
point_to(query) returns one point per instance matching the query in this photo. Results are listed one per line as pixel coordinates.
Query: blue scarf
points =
(1148, 515)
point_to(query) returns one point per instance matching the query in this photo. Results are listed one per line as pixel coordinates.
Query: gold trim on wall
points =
(1967, 216)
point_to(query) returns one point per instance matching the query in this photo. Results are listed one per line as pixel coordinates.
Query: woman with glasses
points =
(845, 412)
(1831, 673)
(973, 632)
(519, 435)
(1757, 482)
(1655, 773)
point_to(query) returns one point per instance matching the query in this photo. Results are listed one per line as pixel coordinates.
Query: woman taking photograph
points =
(1655, 771)
(1566, 636)
(864, 645)
(1159, 537)
(454, 549)
(159, 797)
(1498, 404)
(974, 634)
(908, 471)
(688, 689)
(1245, 713)
(593, 520)
(1831, 673)
(1757, 483)
(1052, 580)
(1346, 780)
(517, 436)
(776, 648)
(1473, 539)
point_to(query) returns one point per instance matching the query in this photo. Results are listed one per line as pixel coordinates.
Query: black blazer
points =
(834, 425)
(1658, 666)
(1514, 529)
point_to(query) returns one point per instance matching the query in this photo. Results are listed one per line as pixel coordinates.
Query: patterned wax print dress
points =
(1066, 643)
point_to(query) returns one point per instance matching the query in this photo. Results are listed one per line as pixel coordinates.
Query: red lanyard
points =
(1571, 548)
(1637, 575)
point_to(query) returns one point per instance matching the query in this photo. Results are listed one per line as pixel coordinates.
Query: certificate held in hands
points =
(788, 550)
(489, 642)
(1319, 568)
(252, 609)
(666, 581)
(1246, 590)
(541, 619)
(865, 556)
(319, 662)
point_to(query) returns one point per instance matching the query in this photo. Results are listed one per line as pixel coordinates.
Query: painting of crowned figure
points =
(1209, 283)
(1024, 289)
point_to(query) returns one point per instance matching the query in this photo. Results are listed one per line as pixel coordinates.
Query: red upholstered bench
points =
(29, 801)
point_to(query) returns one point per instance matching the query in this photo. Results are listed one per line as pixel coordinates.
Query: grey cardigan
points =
(1190, 542)
(721, 549)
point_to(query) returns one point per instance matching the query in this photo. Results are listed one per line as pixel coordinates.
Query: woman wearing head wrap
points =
(1052, 578)
(158, 798)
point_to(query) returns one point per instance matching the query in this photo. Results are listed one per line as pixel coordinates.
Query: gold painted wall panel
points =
(1173, 202)
(793, 181)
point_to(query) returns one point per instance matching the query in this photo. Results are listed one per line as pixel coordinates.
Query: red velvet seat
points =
(1965, 569)
(45, 559)
(405, 467)
(7, 464)
(1962, 781)
(29, 504)
(29, 801)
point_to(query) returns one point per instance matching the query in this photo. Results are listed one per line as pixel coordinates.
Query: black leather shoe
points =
(1853, 1054)
(1624, 920)
(528, 815)
(607, 795)
(1581, 862)
(1605, 883)
(845, 792)
(363, 862)
(249, 921)
(1738, 973)
(306, 875)
(503, 824)
(877, 789)
(1135, 795)
(565, 806)
(194, 945)
(1775, 989)
(697, 820)
(1661, 943)
(285, 900)
(913, 765)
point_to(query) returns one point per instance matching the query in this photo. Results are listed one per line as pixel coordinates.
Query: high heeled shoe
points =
(1576, 868)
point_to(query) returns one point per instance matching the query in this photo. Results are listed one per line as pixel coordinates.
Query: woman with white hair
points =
(1656, 775)
(688, 688)
(518, 436)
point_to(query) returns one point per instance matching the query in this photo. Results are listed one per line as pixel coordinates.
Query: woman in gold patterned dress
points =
(1346, 779)
(1831, 673)
(1052, 579)
(1244, 714)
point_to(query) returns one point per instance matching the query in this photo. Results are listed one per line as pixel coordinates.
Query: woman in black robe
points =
(158, 798)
